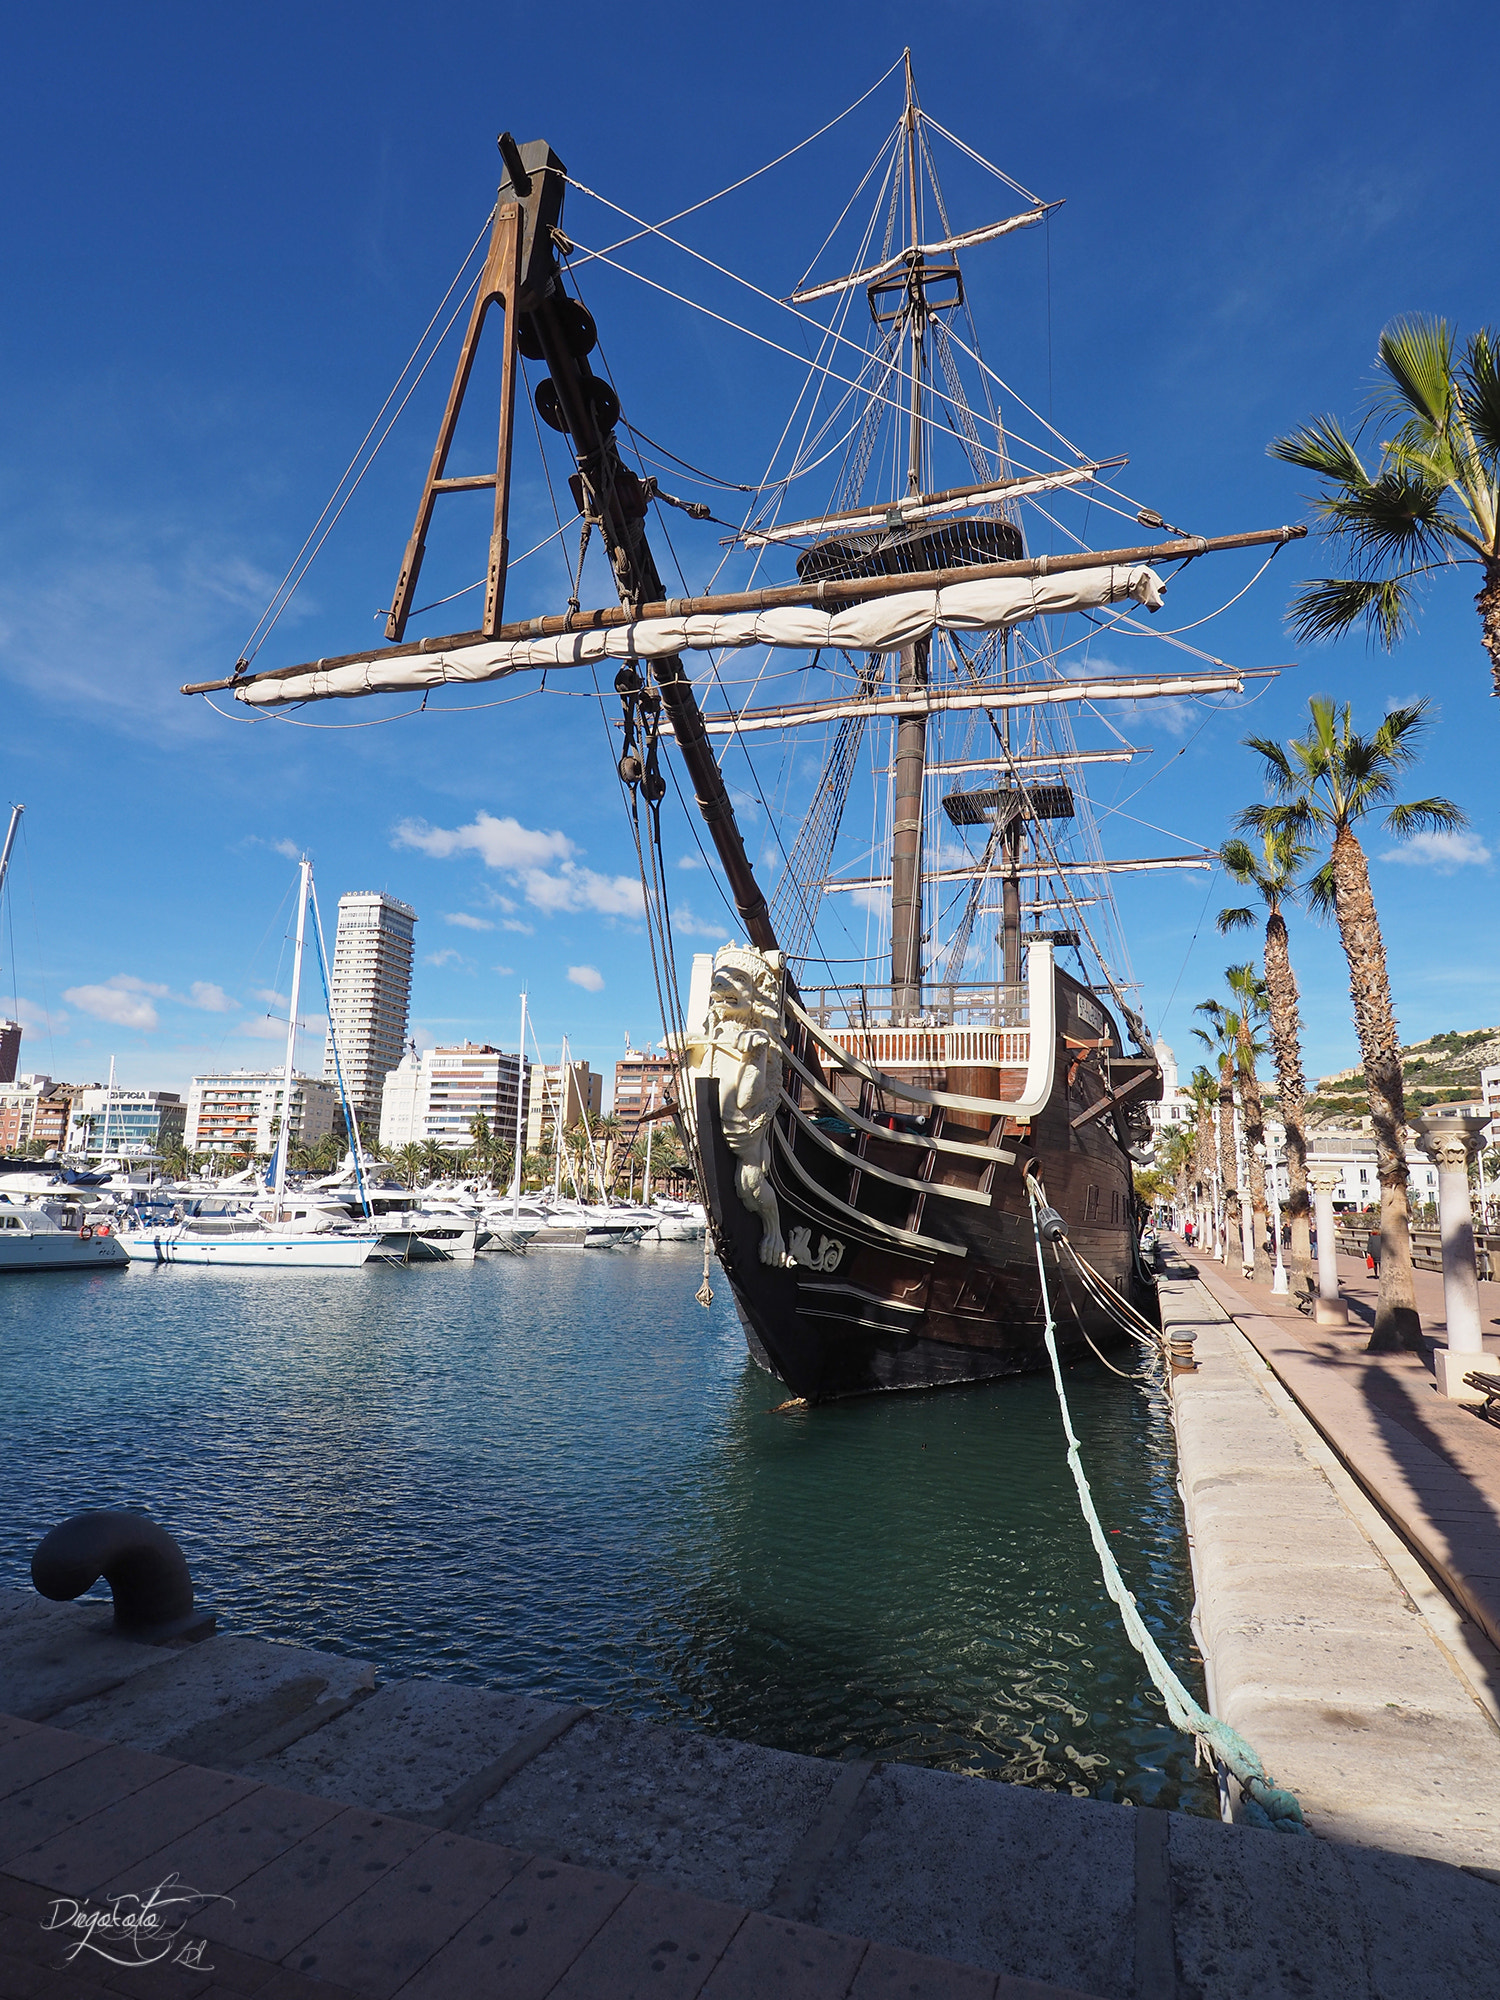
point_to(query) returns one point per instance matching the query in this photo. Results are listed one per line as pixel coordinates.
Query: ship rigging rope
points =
(1265, 1803)
(745, 180)
(267, 620)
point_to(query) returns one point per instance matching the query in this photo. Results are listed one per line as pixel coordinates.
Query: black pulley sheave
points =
(145, 1569)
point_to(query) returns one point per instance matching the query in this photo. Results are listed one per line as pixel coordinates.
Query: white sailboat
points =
(280, 1234)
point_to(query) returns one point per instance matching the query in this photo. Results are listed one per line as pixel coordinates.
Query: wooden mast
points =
(911, 731)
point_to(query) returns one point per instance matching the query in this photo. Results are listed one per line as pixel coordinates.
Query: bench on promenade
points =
(1490, 1384)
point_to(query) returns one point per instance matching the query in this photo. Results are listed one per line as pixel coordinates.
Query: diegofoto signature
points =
(136, 1930)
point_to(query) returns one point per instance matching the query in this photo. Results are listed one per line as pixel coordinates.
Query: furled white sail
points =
(879, 625)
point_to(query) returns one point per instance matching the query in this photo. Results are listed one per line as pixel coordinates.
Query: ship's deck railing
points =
(973, 1024)
(960, 1004)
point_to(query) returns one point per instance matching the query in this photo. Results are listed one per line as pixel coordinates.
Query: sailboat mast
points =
(911, 731)
(1010, 879)
(520, 1112)
(283, 1137)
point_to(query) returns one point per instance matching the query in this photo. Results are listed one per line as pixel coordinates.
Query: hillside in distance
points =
(1440, 1070)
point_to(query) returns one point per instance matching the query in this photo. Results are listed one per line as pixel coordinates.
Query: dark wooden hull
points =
(889, 1315)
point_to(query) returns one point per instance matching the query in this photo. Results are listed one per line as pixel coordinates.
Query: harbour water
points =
(559, 1474)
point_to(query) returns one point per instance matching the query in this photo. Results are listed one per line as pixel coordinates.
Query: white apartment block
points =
(437, 1095)
(574, 1090)
(371, 996)
(234, 1111)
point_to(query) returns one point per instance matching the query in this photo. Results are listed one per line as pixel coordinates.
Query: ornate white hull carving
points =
(738, 1047)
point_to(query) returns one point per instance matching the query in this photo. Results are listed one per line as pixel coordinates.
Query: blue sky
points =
(224, 231)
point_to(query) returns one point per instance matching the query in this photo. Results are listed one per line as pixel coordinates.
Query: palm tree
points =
(407, 1161)
(1203, 1089)
(1274, 873)
(1234, 1040)
(1433, 502)
(1221, 1042)
(1327, 782)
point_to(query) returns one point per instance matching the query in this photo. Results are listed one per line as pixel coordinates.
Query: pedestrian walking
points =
(1372, 1253)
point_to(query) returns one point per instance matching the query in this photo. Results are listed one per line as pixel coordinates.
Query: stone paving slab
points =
(700, 1812)
(53, 1655)
(410, 1748)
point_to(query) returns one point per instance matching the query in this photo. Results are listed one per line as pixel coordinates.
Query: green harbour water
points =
(558, 1473)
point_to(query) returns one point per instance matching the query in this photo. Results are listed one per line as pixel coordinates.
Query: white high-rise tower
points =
(371, 996)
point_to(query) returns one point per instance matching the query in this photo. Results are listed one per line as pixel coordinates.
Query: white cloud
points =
(212, 999)
(505, 971)
(36, 1019)
(448, 956)
(586, 976)
(113, 1003)
(690, 926)
(689, 861)
(541, 864)
(1443, 851)
(287, 847)
(500, 843)
(465, 922)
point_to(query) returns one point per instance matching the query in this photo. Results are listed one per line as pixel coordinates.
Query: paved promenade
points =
(1326, 1643)
(1432, 1466)
(426, 1839)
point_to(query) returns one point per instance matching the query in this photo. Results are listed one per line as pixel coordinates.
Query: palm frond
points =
(1235, 920)
(1395, 740)
(1416, 353)
(1322, 447)
(1322, 898)
(1481, 391)
(1426, 816)
(1326, 607)
(1238, 858)
(1278, 767)
(1398, 515)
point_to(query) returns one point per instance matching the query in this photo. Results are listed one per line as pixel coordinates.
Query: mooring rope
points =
(1265, 1804)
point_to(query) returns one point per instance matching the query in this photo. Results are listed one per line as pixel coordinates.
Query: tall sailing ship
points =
(895, 1072)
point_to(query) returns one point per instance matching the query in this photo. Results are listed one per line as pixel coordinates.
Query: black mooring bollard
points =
(146, 1571)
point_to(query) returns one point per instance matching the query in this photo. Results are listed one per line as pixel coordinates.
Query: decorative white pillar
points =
(1268, 1159)
(1331, 1307)
(1451, 1140)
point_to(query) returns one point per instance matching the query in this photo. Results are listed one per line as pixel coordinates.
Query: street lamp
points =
(1267, 1158)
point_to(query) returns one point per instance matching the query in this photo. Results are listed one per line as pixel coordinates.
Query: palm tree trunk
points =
(1255, 1135)
(1291, 1085)
(1228, 1175)
(1397, 1323)
(1488, 601)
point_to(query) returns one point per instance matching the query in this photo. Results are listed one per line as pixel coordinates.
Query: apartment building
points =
(437, 1096)
(10, 1050)
(572, 1089)
(642, 1083)
(107, 1121)
(239, 1111)
(371, 997)
(34, 1111)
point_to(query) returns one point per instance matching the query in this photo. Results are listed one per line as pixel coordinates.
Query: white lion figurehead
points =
(746, 989)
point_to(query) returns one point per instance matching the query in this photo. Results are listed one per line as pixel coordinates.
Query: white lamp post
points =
(1267, 1157)
(1451, 1139)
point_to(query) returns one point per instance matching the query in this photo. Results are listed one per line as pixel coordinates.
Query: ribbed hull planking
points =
(861, 1310)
